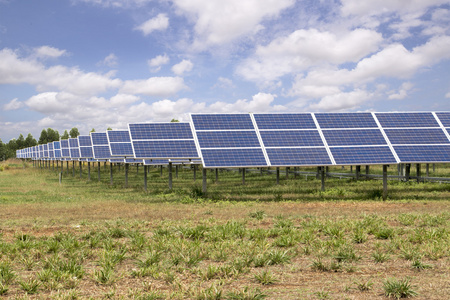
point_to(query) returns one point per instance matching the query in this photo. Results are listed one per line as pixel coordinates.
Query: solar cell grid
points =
(298, 156)
(354, 137)
(416, 136)
(84, 140)
(363, 155)
(99, 138)
(284, 121)
(121, 149)
(297, 138)
(423, 153)
(227, 139)
(118, 136)
(345, 120)
(64, 143)
(160, 131)
(165, 149)
(74, 153)
(101, 152)
(444, 117)
(222, 121)
(393, 120)
(233, 158)
(156, 162)
(86, 152)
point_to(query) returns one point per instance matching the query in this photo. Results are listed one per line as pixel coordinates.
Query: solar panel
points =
(227, 139)
(291, 138)
(100, 145)
(345, 120)
(298, 156)
(354, 137)
(233, 158)
(162, 140)
(423, 154)
(416, 136)
(396, 120)
(120, 143)
(74, 149)
(363, 155)
(222, 121)
(45, 151)
(65, 152)
(444, 117)
(57, 149)
(51, 154)
(85, 146)
(284, 121)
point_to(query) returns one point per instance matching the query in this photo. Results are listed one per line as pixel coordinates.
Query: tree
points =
(109, 128)
(92, 130)
(74, 132)
(174, 120)
(52, 135)
(43, 137)
(2, 151)
(30, 141)
(65, 136)
(20, 142)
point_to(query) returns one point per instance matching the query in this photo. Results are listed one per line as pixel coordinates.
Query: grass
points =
(89, 240)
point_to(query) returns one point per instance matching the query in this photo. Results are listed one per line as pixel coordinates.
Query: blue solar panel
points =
(99, 138)
(362, 155)
(121, 149)
(165, 149)
(117, 160)
(57, 153)
(227, 139)
(416, 136)
(64, 143)
(354, 137)
(56, 145)
(86, 152)
(222, 122)
(298, 156)
(65, 152)
(293, 138)
(74, 153)
(284, 121)
(428, 154)
(84, 140)
(73, 143)
(444, 117)
(101, 152)
(118, 136)
(393, 120)
(233, 158)
(156, 162)
(345, 120)
(160, 131)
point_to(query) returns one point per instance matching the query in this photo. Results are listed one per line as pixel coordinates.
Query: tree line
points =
(8, 150)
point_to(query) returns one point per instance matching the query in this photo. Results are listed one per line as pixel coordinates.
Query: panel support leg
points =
(126, 175)
(428, 170)
(111, 173)
(89, 170)
(204, 181)
(287, 173)
(278, 175)
(195, 172)
(384, 182)
(98, 170)
(418, 172)
(358, 172)
(243, 175)
(145, 178)
(217, 175)
(170, 175)
(407, 171)
(367, 171)
(322, 175)
(73, 168)
(81, 168)
(176, 171)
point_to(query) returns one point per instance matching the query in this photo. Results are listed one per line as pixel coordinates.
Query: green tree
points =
(109, 128)
(174, 120)
(20, 142)
(74, 132)
(92, 130)
(52, 135)
(2, 150)
(43, 137)
(65, 136)
(30, 141)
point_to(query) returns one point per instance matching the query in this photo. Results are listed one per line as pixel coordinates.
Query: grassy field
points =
(89, 240)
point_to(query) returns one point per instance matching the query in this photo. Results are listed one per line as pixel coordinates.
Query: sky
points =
(106, 63)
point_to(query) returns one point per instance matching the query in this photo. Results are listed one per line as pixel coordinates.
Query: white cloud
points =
(156, 62)
(160, 22)
(154, 86)
(218, 22)
(304, 49)
(123, 100)
(182, 67)
(224, 83)
(117, 3)
(110, 61)
(342, 101)
(402, 92)
(13, 104)
(447, 95)
(48, 52)
(260, 102)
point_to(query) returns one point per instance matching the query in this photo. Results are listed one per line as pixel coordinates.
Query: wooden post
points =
(384, 182)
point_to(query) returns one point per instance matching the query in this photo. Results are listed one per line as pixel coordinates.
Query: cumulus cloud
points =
(156, 62)
(182, 67)
(116, 3)
(13, 105)
(218, 22)
(377, 7)
(447, 95)
(402, 93)
(110, 61)
(48, 52)
(224, 83)
(260, 102)
(160, 22)
(304, 49)
(154, 86)
(342, 101)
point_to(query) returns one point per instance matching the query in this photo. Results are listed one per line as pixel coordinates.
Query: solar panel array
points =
(261, 140)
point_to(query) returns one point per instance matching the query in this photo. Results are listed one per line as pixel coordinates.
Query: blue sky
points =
(107, 63)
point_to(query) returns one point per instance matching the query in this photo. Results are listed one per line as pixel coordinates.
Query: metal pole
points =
(418, 173)
(111, 173)
(204, 181)
(287, 172)
(176, 171)
(322, 173)
(367, 171)
(278, 175)
(98, 170)
(407, 171)
(160, 173)
(170, 175)
(384, 182)
(126, 175)
(428, 169)
(195, 172)
(217, 175)
(89, 170)
(80, 163)
(145, 178)
(358, 171)
(73, 168)
(243, 175)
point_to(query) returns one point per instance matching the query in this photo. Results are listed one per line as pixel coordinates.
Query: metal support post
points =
(170, 175)
(385, 182)
(145, 178)
(89, 170)
(358, 172)
(243, 175)
(278, 175)
(195, 172)
(98, 170)
(322, 175)
(217, 175)
(111, 173)
(407, 171)
(418, 172)
(204, 181)
(126, 175)
(81, 169)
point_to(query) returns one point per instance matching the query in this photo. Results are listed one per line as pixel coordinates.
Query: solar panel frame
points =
(416, 136)
(444, 118)
(100, 146)
(423, 153)
(74, 148)
(407, 120)
(363, 155)
(345, 120)
(85, 146)
(166, 140)
(119, 142)
(284, 121)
